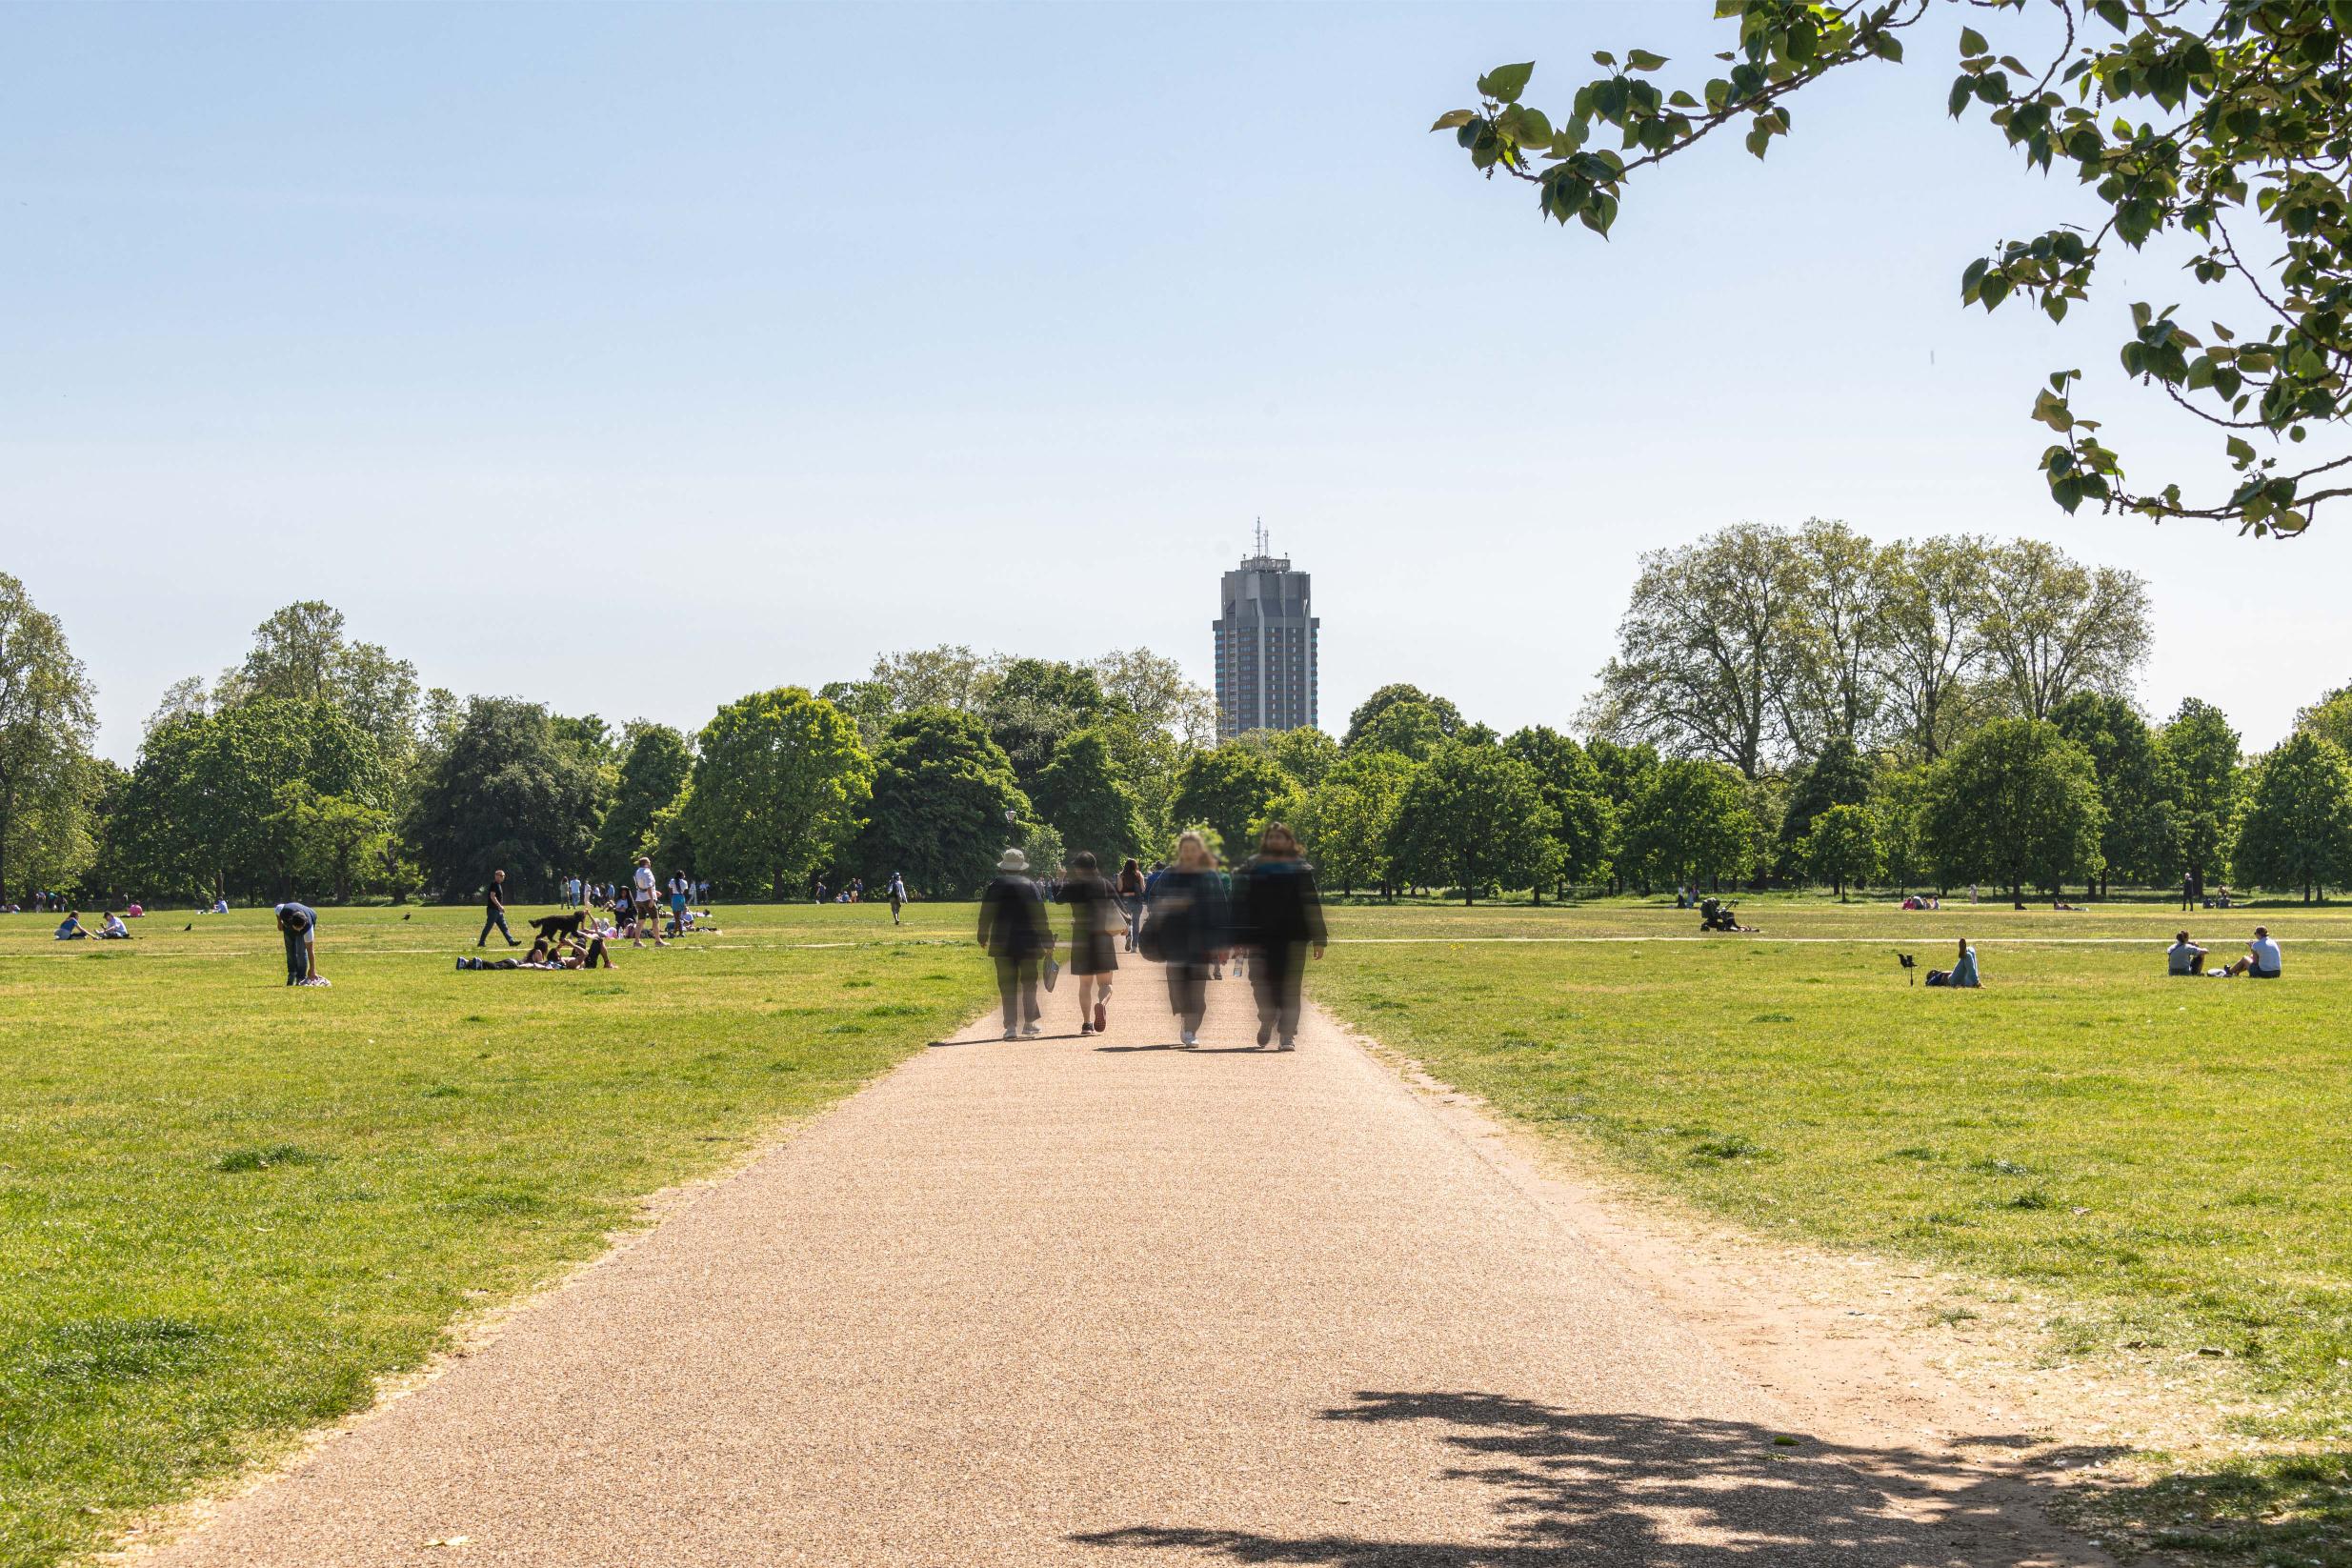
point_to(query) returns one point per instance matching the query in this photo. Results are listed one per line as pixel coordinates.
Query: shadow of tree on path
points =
(1575, 1488)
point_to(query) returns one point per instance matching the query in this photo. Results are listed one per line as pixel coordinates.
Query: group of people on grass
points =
(2263, 961)
(1189, 918)
(109, 930)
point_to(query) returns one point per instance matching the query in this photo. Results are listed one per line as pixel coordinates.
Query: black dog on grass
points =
(555, 925)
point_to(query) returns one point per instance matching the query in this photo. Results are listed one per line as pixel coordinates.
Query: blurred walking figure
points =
(898, 896)
(1094, 957)
(1185, 930)
(1131, 899)
(1279, 915)
(1014, 930)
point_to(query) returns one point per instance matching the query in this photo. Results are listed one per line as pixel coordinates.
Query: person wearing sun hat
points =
(1014, 930)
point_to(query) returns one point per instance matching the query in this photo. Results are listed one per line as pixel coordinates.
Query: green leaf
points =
(1972, 42)
(1682, 99)
(1962, 90)
(1507, 82)
(1534, 126)
(2113, 13)
(1641, 59)
(1455, 119)
(1602, 57)
(2239, 449)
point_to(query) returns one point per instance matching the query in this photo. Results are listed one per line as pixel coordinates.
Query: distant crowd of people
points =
(1192, 917)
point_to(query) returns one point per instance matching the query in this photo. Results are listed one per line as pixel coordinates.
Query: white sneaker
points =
(1188, 1039)
(1288, 1045)
(1011, 1035)
(1031, 1031)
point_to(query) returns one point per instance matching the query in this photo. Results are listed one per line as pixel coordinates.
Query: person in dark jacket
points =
(1278, 916)
(1187, 919)
(1093, 952)
(1013, 929)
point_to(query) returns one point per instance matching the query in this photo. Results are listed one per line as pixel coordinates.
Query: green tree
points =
(1933, 651)
(780, 784)
(944, 804)
(2169, 116)
(1081, 794)
(1842, 847)
(653, 771)
(508, 793)
(1715, 634)
(2295, 829)
(300, 656)
(1897, 800)
(1449, 716)
(2137, 784)
(1575, 790)
(2330, 718)
(1473, 817)
(1837, 778)
(2203, 753)
(2015, 802)
(335, 842)
(2054, 628)
(1304, 754)
(1409, 729)
(1228, 788)
(1350, 820)
(47, 721)
(1691, 822)
(1031, 705)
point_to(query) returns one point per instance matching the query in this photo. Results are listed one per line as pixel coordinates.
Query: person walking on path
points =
(1094, 956)
(298, 925)
(494, 912)
(1131, 899)
(648, 917)
(1277, 914)
(1186, 931)
(897, 898)
(1014, 931)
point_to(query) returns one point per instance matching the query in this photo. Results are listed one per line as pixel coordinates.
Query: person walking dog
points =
(494, 912)
(1184, 928)
(1014, 930)
(1278, 916)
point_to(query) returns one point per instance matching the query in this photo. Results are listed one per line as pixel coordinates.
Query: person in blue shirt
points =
(1962, 972)
(71, 929)
(298, 924)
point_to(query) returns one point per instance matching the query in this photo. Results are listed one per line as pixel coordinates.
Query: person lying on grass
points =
(2185, 957)
(564, 956)
(2263, 960)
(1963, 971)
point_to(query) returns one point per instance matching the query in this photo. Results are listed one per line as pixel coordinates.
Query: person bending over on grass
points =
(1962, 974)
(298, 925)
(70, 929)
(2185, 957)
(2263, 960)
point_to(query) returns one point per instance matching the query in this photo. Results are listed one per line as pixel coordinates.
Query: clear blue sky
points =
(634, 358)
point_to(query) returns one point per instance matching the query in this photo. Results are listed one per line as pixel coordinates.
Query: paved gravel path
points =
(1102, 1301)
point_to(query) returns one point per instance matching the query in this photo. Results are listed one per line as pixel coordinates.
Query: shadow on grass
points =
(2287, 1508)
(1575, 1488)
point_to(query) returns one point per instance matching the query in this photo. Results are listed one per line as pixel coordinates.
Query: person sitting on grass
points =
(2263, 960)
(112, 930)
(1962, 975)
(2185, 957)
(70, 929)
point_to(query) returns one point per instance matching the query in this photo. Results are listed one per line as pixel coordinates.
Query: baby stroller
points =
(1714, 914)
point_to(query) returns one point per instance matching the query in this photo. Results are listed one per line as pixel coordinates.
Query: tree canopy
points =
(2296, 829)
(2015, 802)
(653, 770)
(1473, 817)
(46, 725)
(942, 791)
(2224, 127)
(780, 786)
(1229, 789)
(508, 793)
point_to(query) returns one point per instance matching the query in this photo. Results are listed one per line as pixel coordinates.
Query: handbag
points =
(1152, 941)
(1052, 970)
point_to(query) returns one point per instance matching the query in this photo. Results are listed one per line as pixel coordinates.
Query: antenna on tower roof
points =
(1261, 536)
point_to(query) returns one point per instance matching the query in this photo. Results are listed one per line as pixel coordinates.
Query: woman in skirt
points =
(1093, 952)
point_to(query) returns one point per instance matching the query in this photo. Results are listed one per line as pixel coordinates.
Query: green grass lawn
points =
(2165, 1158)
(226, 1207)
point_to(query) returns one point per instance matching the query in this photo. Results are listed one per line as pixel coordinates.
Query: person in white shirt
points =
(648, 917)
(2263, 960)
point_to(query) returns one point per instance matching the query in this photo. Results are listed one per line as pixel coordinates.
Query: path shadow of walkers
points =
(1572, 1488)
